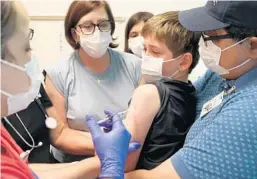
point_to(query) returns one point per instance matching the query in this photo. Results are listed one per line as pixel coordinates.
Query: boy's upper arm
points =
(143, 108)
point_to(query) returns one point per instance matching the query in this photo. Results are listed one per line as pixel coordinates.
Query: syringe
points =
(119, 113)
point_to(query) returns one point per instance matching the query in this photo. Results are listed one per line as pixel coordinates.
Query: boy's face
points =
(158, 49)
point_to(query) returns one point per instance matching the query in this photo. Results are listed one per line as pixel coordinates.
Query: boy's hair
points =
(167, 28)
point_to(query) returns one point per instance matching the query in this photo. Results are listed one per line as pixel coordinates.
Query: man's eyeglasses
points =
(31, 34)
(216, 37)
(89, 28)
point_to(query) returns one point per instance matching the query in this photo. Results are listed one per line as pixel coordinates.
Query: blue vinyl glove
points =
(111, 147)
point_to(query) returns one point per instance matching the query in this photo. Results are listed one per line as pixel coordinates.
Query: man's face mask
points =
(211, 53)
(19, 101)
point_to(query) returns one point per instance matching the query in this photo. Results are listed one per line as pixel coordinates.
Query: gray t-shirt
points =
(87, 92)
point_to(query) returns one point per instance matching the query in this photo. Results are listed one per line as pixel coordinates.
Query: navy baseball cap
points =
(220, 14)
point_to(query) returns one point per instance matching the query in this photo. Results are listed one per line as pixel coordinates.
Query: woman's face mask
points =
(96, 44)
(28, 76)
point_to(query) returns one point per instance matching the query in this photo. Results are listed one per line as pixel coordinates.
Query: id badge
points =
(210, 105)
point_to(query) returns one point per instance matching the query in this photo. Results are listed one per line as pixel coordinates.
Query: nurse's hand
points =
(111, 147)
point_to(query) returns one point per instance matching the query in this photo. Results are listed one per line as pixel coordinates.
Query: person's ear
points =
(253, 47)
(186, 62)
(75, 35)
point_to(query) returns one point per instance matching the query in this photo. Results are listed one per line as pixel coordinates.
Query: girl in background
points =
(133, 39)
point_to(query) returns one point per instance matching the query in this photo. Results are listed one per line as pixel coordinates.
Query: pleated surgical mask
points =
(136, 45)
(96, 44)
(154, 66)
(211, 53)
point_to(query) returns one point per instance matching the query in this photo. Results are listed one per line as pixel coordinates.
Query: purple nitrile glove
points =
(111, 147)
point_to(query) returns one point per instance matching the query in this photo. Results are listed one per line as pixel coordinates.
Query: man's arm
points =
(144, 106)
(164, 171)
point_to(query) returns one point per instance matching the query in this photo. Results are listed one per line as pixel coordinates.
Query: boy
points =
(162, 111)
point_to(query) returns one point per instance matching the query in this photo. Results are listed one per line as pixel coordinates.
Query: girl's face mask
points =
(136, 45)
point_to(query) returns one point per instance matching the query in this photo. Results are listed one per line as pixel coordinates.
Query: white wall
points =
(119, 7)
(49, 42)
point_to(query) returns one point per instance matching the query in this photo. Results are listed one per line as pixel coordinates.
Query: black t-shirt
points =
(171, 124)
(34, 120)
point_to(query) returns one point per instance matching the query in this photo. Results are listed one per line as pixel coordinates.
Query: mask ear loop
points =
(5, 93)
(13, 65)
(234, 44)
(175, 74)
(242, 64)
(173, 59)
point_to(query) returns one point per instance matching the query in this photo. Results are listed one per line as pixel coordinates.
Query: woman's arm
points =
(88, 168)
(144, 106)
(165, 171)
(62, 137)
(111, 149)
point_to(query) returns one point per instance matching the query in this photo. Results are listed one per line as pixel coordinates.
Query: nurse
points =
(15, 120)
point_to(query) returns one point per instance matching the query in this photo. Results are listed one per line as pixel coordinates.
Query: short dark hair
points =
(133, 20)
(240, 33)
(167, 28)
(77, 10)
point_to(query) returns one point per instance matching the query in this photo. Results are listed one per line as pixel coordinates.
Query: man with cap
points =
(222, 143)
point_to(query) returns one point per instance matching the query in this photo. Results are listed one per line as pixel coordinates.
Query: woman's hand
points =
(111, 147)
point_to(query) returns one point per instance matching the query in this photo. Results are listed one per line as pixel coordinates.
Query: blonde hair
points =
(11, 17)
(167, 28)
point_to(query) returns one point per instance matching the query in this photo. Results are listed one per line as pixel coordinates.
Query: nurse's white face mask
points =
(20, 101)
(211, 53)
